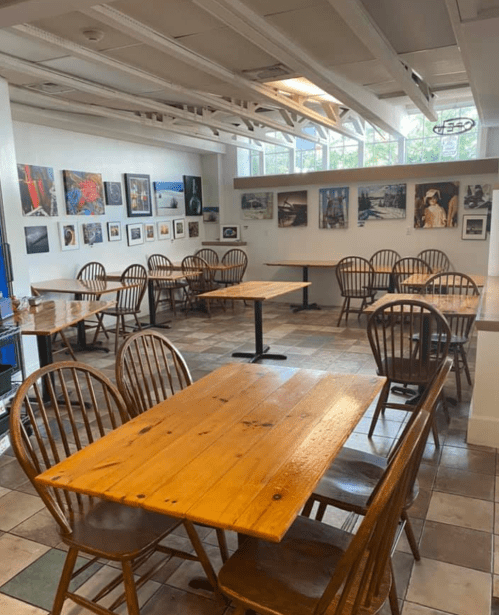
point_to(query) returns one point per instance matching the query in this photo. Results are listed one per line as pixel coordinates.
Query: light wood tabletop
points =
(255, 291)
(418, 280)
(155, 276)
(303, 263)
(461, 305)
(77, 287)
(240, 449)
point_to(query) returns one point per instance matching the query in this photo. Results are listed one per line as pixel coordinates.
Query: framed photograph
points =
(435, 205)
(92, 233)
(474, 227)
(138, 195)
(149, 231)
(37, 239)
(333, 207)
(165, 229)
(381, 202)
(292, 208)
(135, 234)
(113, 193)
(478, 197)
(193, 229)
(169, 198)
(68, 234)
(211, 214)
(257, 205)
(179, 228)
(36, 185)
(114, 231)
(193, 196)
(84, 193)
(229, 232)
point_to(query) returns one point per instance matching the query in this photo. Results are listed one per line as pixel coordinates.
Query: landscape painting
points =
(382, 202)
(84, 193)
(333, 207)
(257, 206)
(169, 197)
(37, 190)
(211, 214)
(436, 205)
(292, 208)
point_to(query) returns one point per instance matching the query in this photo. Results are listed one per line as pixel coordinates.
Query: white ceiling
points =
(204, 67)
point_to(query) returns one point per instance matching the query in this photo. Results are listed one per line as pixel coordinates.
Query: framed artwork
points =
(149, 231)
(474, 226)
(211, 214)
(36, 185)
(292, 208)
(138, 195)
(333, 207)
(478, 198)
(179, 228)
(37, 239)
(257, 206)
(92, 233)
(135, 234)
(194, 229)
(84, 193)
(436, 205)
(229, 232)
(382, 202)
(193, 196)
(165, 229)
(113, 193)
(169, 197)
(68, 234)
(114, 231)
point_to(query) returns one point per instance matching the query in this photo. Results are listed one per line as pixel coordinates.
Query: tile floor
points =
(456, 516)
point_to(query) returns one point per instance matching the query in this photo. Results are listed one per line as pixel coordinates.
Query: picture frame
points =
(68, 234)
(150, 231)
(193, 195)
(37, 239)
(113, 193)
(84, 193)
(37, 188)
(169, 197)
(230, 232)
(164, 229)
(135, 234)
(138, 195)
(92, 233)
(114, 231)
(179, 228)
(193, 228)
(474, 227)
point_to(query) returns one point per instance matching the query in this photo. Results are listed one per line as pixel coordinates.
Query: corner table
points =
(257, 292)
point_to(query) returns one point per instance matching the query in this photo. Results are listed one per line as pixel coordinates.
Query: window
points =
(380, 148)
(308, 155)
(276, 158)
(343, 152)
(248, 162)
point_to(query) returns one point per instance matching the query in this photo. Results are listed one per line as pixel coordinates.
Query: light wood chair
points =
(436, 259)
(383, 258)
(406, 267)
(44, 433)
(237, 259)
(162, 264)
(355, 277)
(318, 569)
(209, 255)
(199, 284)
(93, 271)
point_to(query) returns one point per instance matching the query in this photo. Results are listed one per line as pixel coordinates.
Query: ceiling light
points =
(93, 35)
(303, 87)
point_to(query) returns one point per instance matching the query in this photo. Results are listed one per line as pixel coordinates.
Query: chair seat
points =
(407, 371)
(289, 577)
(114, 311)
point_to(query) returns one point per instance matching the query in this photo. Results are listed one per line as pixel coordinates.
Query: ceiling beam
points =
(256, 29)
(361, 23)
(31, 10)
(468, 9)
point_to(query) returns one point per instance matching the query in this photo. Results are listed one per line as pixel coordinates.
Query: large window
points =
(343, 152)
(276, 158)
(380, 148)
(309, 156)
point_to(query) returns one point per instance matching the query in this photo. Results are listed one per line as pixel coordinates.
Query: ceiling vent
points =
(93, 35)
(50, 88)
(268, 73)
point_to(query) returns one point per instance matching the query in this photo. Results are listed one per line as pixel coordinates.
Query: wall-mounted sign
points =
(454, 126)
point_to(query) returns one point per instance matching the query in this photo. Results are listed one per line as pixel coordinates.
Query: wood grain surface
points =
(420, 279)
(303, 263)
(447, 304)
(74, 286)
(255, 291)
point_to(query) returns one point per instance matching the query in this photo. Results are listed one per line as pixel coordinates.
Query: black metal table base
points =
(305, 306)
(254, 356)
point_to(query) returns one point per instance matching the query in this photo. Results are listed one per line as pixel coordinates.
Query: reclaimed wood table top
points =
(159, 276)
(449, 305)
(52, 316)
(74, 286)
(420, 279)
(255, 291)
(241, 449)
(218, 267)
(303, 263)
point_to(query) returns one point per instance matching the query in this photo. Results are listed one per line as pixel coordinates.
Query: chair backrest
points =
(200, 283)
(406, 267)
(436, 259)
(149, 369)
(161, 263)
(209, 255)
(383, 258)
(43, 433)
(237, 259)
(129, 299)
(91, 271)
(355, 276)
(409, 340)
(453, 283)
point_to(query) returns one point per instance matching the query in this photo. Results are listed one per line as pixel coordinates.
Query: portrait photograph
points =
(436, 205)
(138, 195)
(84, 193)
(382, 202)
(36, 185)
(292, 208)
(257, 205)
(333, 207)
(68, 234)
(193, 196)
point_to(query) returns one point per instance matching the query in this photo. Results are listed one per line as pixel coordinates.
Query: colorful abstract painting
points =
(84, 193)
(169, 197)
(36, 185)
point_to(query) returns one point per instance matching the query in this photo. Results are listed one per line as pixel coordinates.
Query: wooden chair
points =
(355, 277)
(406, 267)
(162, 264)
(436, 259)
(128, 300)
(383, 258)
(196, 285)
(354, 474)
(394, 331)
(209, 255)
(237, 259)
(42, 434)
(318, 569)
(456, 284)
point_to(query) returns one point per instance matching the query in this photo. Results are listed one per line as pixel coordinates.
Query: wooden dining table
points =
(449, 305)
(418, 280)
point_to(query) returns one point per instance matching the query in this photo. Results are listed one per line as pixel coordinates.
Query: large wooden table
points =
(305, 265)
(418, 280)
(449, 305)
(241, 449)
(257, 292)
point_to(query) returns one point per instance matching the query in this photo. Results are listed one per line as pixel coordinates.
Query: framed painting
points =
(333, 207)
(68, 234)
(229, 232)
(292, 208)
(149, 232)
(37, 239)
(165, 229)
(114, 231)
(257, 206)
(211, 214)
(474, 226)
(84, 193)
(194, 229)
(169, 197)
(36, 185)
(478, 198)
(113, 193)
(193, 196)
(135, 234)
(382, 202)
(436, 205)
(179, 228)
(92, 233)
(138, 195)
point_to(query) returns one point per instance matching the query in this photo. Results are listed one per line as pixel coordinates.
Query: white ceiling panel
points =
(27, 48)
(271, 7)
(18, 78)
(431, 62)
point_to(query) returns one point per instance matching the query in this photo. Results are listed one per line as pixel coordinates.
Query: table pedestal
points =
(261, 351)
(305, 305)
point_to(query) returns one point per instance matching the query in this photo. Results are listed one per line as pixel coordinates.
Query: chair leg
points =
(65, 580)
(383, 396)
(347, 310)
(457, 371)
(410, 536)
(130, 589)
(434, 431)
(222, 545)
(68, 345)
(342, 311)
(116, 334)
(392, 596)
(307, 509)
(320, 511)
(462, 351)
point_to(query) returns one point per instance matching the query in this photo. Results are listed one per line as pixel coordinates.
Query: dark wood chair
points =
(456, 284)
(355, 277)
(237, 260)
(209, 255)
(44, 433)
(318, 569)
(436, 259)
(128, 301)
(383, 258)
(162, 264)
(354, 474)
(406, 267)
(394, 331)
(196, 285)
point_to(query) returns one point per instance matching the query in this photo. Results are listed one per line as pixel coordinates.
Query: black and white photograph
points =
(257, 205)
(113, 193)
(179, 228)
(292, 209)
(436, 205)
(382, 202)
(135, 234)
(37, 239)
(68, 235)
(193, 196)
(474, 227)
(478, 198)
(194, 229)
(333, 207)
(92, 233)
